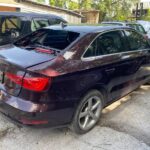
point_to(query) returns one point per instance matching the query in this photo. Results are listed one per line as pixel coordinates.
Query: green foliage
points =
(146, 17)
(85, 4)
(73, 5)
(40, 1)
(115, 9)
(58, 3)
(109, 9)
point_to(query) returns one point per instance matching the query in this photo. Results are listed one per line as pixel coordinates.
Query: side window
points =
(136, 41)
(108, 43)
(11, 25)
(54, 21)
(38, 23)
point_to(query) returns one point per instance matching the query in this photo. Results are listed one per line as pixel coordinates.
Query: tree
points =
(147, 16)
(73, 5)
(59, 3)
(109, 9)
(85, 4)
(115, 9)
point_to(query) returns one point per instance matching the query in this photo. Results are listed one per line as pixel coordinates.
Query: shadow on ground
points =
(130, 115)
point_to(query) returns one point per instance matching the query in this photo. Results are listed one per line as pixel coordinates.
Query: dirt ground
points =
(125, 125)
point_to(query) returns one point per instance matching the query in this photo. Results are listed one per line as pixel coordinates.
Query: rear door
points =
(141, 49)
(123, 65)
(115, 63)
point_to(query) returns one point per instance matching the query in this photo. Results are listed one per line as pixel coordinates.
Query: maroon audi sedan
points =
(65, 76)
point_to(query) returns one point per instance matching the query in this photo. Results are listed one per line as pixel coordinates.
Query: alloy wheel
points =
(90, 113)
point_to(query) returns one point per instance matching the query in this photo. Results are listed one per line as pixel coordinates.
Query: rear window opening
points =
(57, 39)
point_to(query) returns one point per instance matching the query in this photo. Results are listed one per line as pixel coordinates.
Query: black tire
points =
(77, 125)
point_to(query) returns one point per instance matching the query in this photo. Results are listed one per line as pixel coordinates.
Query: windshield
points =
(137, 27)
(57, 39)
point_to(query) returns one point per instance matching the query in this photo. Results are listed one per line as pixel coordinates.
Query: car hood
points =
(23, 57)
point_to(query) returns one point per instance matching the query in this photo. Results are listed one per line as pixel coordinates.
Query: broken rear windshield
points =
(58, 39)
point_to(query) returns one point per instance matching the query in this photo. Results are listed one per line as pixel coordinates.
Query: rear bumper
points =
(28, 113)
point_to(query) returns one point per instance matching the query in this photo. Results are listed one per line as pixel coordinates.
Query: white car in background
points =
(146, 25)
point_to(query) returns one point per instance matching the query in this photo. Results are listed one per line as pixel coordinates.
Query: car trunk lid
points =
(24, 58)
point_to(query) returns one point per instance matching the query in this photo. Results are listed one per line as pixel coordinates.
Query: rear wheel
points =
(88, 112)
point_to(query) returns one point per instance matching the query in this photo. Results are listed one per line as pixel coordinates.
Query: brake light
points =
(31, 83)
(35, 83)
(14, 78)
(42, 50)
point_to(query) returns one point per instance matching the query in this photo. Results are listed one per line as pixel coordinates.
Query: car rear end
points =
(25, 95)
(16, 83)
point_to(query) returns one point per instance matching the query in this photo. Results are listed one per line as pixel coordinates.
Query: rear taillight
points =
(14, 78)
(35, 83)
(31, 83)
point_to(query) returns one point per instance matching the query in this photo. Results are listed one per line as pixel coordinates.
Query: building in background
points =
(90, 16)
(9, 5)
(141, 8)
(146, 4)
(32, 6)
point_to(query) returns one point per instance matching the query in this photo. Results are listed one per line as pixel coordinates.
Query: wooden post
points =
(141, 9)
(136, 11)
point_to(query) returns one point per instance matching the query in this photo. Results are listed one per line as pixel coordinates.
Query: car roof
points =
(113, 22)
(119, 22)
(28, 14)
(86, 28)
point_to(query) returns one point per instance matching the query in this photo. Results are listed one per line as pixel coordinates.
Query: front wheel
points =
(88, 112)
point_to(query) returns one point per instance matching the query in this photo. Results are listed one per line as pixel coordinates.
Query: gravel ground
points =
(125, 125)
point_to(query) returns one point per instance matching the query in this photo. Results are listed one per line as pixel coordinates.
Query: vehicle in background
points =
(14, 25)
(66, 75)
(138, 27)
(146, 25)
